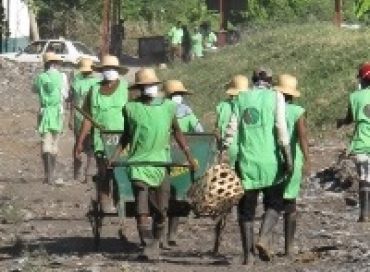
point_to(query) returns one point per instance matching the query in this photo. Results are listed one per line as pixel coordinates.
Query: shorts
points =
(152, 200)
(50, 143)
(363, 167)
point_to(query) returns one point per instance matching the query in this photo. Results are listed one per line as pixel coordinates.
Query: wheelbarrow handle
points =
(147, 163)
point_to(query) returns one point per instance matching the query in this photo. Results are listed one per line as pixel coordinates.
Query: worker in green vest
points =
(150, 120)
(197, 44)
(238, 83)
(50, 86)
(189, 123)
(83, 81)
(259, 166)
(210, 41)
(104, 104)
(295, 115)
(359, 113)
(176, 37)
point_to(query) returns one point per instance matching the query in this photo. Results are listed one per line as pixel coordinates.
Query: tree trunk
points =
(35, 35)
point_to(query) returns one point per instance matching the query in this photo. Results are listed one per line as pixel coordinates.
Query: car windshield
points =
(35, 47)
(82, 49)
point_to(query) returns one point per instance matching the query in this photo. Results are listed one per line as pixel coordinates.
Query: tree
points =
(362, 7)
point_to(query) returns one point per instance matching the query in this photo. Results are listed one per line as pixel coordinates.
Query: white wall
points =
(19, 20)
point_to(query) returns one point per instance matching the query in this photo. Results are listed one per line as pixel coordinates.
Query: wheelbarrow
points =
(203, 148)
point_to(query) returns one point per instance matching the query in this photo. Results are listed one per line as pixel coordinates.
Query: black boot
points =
(247, 236)
(151, 248)
(270, 219)
(146, 234)
(53, 163)
(47, 162)
(173, 223)
(290, 222)
(364, 197)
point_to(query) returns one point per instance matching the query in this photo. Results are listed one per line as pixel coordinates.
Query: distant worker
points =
(297, 128)
(150, 121)
(186, 44)
(81, 85)
(188, 123)
(359, 113)
(52, 87)
(210, 41)
(176, 35)
(197, 44)
(104, 104)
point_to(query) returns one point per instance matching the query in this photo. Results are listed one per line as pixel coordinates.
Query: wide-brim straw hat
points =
(109, 61)
(175, 86)
(287, 84)
(51, 56)
(237, 84)
(145, 76)
(85, 65)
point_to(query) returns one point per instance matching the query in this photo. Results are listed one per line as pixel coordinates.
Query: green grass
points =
(324, 58)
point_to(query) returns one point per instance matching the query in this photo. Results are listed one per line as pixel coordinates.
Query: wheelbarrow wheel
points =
(96, 220)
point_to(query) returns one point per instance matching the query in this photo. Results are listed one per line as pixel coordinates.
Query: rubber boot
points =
(77, 164)
(53, 163)
(146, 235)
(48, 167)
(270, 219)
(247, 236)
(290, 223)
(151, 239)
(173, 223)
(364, 196)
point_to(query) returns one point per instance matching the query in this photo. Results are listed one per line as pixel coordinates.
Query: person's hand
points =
(78, 150)
(193, 165)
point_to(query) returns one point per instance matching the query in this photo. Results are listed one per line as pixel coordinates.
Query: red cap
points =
(364, 71)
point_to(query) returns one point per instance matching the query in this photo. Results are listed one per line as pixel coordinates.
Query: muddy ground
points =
(44, 228)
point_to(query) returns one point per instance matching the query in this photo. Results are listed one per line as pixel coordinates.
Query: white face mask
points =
(177, 99)
(151, 91)
(110, 75)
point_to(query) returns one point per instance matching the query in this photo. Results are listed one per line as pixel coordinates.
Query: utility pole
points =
(338, 13)
(222, 33)
(105, 37)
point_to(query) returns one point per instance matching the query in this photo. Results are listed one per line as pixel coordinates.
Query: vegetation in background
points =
(324, 58)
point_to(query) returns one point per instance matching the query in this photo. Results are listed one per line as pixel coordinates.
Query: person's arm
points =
(86, 126)
(347, 120)
(124, 140)
(303, 142)
(72, 111)
(181, 141)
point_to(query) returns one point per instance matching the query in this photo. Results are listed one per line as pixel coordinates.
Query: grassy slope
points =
(324, 59)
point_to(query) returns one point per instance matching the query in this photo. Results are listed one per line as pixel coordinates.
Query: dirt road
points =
(44, 228)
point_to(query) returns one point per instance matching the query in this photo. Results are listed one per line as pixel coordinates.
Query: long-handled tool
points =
(88, 117)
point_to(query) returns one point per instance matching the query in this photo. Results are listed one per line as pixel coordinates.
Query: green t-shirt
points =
(211, 40)
(360, 106)
(106, 110)
(224, 112)
(176, 35)
(197, 45)
(258, 153)
(80, 88)
(49, 87)
(293, 113)
(188, 123)
(149, 132)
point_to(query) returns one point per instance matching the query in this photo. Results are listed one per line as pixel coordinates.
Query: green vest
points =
(224, 111)
(211, 39)
(106, 110)
(80, 87)
(293, 113)
(149, 127)
(258, 154)
(188, 123)
(176, 35)
(197, 45)
(49, 87)
(360, 105)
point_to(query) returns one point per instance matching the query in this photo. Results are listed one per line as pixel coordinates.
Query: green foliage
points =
(324, 59)
(362, 7)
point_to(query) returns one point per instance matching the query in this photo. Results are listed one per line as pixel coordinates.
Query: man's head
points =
(262, 77)
(364, 75)
(110, 68)
(175, 90)
(178, 24)
(85, 66)
(147, 82)
(52, 60)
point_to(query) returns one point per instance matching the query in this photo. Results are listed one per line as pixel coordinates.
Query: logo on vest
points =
(251, 116)
(367, 110)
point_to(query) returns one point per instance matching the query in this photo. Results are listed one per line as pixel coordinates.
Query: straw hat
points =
(85, 65)
(237, 84)
(175, 86)
(287, 84)
(145, 76)
(51, 56)
(109, 61)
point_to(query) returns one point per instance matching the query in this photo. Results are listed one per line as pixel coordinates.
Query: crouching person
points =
(149, 122)
(295, 116)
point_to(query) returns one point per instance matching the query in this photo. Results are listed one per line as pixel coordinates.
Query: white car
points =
(69, 51)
